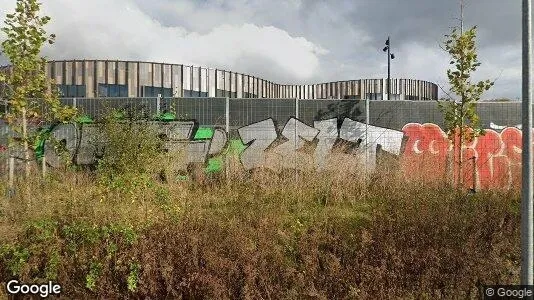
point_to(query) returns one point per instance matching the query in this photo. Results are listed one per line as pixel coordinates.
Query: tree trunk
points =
(460, 155)
(461, 141)
(25, 143)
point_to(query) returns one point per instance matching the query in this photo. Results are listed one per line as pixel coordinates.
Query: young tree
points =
(462, 123)
(29, 95)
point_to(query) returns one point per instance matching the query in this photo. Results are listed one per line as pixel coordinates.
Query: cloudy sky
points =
(291, 41)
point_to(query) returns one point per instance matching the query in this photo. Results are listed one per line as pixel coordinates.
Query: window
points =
(112, 90)
(373, 96)
(248, 95)
(154, 91)
(71, 90)
(223, 93)
(189, 93)
(378, 96)
(394, 96)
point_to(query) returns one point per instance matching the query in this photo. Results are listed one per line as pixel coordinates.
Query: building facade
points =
(108, 78)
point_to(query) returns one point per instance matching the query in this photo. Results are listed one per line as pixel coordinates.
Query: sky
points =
(291, 41)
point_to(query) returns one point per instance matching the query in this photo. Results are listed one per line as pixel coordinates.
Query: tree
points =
(462, 123)
(30, 97)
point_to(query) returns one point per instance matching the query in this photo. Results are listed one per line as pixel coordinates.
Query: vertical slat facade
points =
(211, 82)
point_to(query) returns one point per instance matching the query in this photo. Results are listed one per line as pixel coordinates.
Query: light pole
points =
(527, 255)
(390, 57)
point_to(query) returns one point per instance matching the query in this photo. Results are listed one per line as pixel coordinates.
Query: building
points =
(109, 78)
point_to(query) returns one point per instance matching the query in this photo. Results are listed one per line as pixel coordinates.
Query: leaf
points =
(25, 36)
(462, 49)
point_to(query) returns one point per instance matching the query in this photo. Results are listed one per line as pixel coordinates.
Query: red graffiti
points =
(513, 140)
(492, 160)
(468, 158)
(425, 155)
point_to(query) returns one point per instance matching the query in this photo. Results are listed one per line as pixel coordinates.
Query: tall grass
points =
(256, 235)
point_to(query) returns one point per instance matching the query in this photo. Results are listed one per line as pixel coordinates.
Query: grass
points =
(318, 236)
(255, 235)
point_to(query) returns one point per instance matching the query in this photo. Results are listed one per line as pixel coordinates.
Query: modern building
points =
(114, 78)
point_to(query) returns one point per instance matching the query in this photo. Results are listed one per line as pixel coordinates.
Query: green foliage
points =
(461, 116)
(81, 233)
(131, 153)
(92, 277)
(14, 257)
(260, 237)
(29, 93)
(52, 265)
(133, 277)
(48, 245)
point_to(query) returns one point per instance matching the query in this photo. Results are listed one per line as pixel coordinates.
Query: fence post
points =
(11, 172)
(296, 108)
(43, 165)
(475, 175)
(158, 104)
(227, 128)
(227, 115)
(366, 135)
(450, 166)
(527, 184)
(74, 102)
(295, 140)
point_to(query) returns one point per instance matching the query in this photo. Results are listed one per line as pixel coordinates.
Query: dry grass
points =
(120, 232)
(260, 235)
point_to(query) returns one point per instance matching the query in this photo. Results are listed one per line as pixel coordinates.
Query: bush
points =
(254, 234)
(132, 153)
(268, 236)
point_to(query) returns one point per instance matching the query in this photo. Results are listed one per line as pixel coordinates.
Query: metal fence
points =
(239, 112)
(412, 130)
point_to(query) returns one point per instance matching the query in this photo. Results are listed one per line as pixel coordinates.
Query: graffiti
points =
(489, 161)
(83, 144)
(260, 137)
(371, 137)
(326, 137)
(499, 127)
(424, 150)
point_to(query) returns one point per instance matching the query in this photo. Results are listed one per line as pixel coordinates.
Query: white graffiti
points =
(499, 127)
(296, 134)
(261, 135)
(296, 146)
(83, 144)
(327, 137)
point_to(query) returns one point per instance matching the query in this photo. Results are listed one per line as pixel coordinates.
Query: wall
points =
(320, 134)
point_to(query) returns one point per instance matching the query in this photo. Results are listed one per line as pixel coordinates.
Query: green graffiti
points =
(44, 134)
(85, 119)
(165, 117)
(214, 165)
(203, 133)
(39, 143)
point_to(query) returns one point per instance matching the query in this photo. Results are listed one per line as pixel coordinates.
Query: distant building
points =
(108, 78)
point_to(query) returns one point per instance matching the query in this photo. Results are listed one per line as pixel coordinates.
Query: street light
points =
(390, 57)
(527, 183)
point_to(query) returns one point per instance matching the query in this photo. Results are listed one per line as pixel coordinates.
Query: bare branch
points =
(446, 93)
(497, 78)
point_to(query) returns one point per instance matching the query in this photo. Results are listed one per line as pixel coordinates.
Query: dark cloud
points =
(325, 40)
